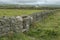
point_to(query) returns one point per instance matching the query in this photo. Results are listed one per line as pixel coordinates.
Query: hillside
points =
(37, 6)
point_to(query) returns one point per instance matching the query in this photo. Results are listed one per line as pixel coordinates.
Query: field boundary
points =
(21, 23)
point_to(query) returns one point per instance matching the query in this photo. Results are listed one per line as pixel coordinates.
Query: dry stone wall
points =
(20, 23)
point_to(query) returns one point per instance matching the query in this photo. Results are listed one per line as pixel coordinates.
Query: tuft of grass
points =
(15, 36)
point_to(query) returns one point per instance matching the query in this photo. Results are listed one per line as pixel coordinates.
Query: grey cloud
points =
(30, 1)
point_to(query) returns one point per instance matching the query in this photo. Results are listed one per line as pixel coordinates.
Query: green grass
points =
(47, 29)
(16, 12)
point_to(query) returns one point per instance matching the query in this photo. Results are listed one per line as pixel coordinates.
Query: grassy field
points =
(47, 29)
(15, 12)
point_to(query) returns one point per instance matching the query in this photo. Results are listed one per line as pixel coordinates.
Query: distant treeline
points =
(25, 7)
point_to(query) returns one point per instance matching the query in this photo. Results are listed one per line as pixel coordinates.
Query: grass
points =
(16, 12)
(47, 29)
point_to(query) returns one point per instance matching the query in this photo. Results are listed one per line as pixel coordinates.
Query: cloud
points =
(53, 1)
(7, 1)
(31, 1)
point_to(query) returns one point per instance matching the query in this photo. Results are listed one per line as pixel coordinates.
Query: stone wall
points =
(20, 23)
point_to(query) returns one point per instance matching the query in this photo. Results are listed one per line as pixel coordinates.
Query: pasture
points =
(17, 12)
(47, 29)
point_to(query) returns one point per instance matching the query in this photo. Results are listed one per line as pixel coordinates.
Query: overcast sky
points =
(30, 1)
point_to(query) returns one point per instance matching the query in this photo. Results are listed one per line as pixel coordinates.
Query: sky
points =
(30, 1)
